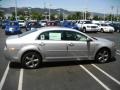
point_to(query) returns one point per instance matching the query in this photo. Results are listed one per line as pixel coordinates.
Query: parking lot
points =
(74, 75)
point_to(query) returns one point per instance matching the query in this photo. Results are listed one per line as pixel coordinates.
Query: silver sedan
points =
(56, 44)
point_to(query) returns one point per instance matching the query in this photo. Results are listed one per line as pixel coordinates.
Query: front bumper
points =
(108, 30)
(10, 56)
(92, 29)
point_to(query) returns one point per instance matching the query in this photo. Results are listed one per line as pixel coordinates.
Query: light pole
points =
(59, 13)
(29, 8)
(85, 13)
(16, 9)
(63, 16)
(49, 11)
(111, 13)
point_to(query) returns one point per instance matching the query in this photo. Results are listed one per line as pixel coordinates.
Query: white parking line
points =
(105, 73)
(93, 76)
(4, 76)
(20, 80)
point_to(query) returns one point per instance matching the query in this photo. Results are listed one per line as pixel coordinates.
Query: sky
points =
(101, 6)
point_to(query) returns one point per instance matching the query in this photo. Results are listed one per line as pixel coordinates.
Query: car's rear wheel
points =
(31, 60)
(103, 55)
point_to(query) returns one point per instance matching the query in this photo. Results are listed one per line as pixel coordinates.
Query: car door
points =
(77, 45)
(52, 45)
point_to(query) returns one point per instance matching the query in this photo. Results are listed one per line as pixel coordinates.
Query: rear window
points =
(28, 32)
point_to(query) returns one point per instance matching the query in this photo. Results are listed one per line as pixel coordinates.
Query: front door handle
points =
(70, 44)
(42, 44)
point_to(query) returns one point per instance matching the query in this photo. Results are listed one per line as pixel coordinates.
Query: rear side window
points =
(51, 35)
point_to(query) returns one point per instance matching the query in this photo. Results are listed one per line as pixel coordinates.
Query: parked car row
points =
(14, 27)
(97, 26)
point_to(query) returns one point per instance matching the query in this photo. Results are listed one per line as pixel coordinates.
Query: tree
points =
(22, 17)
(36, 16)
(75, 16)
(96, 17)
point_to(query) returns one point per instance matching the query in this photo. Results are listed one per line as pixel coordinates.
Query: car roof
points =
(55, 28)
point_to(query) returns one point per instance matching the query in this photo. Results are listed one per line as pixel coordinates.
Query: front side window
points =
(74, 36)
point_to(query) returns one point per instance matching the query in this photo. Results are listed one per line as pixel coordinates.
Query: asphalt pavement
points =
(73, 75)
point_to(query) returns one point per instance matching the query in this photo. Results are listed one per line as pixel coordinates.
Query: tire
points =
(31, 60)
(118, 30)
(102, 30)
(84, 30)
(103, 55)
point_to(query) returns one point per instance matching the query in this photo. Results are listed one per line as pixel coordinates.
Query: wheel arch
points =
(101, 49)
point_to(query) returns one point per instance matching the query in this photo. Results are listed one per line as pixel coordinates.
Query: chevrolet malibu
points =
(50, 44)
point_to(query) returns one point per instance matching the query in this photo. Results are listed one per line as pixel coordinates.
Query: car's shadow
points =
(17, 65)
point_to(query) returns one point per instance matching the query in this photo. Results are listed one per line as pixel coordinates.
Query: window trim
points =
(63, 32)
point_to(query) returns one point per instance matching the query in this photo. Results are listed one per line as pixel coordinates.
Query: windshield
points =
(21, 21)
(87, 22)
(28, 32)
(104, 25)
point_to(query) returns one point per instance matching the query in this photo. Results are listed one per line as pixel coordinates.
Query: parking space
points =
(85, 75)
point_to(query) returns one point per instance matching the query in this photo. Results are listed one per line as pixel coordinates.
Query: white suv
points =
(87, 25)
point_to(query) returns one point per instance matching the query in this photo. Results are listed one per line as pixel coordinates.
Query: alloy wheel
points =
(103, 56)
(31, 60)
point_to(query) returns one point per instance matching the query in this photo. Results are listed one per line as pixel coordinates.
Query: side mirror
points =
(89, 40)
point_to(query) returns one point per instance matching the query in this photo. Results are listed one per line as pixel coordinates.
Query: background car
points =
(4, 22)
(32, 24)
(51, 23)
(116, 26)
(12, 27)
(87, 26)
(57, 44)
(103, 27)
(43, 23)
(22, 23)
(69, 24)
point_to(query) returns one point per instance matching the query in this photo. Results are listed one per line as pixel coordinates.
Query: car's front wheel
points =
(102, 55)
(84, 29)
(31, 60)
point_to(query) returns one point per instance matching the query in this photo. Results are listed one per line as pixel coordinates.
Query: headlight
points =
(88, 26)
(12, 49)
(11, 29)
